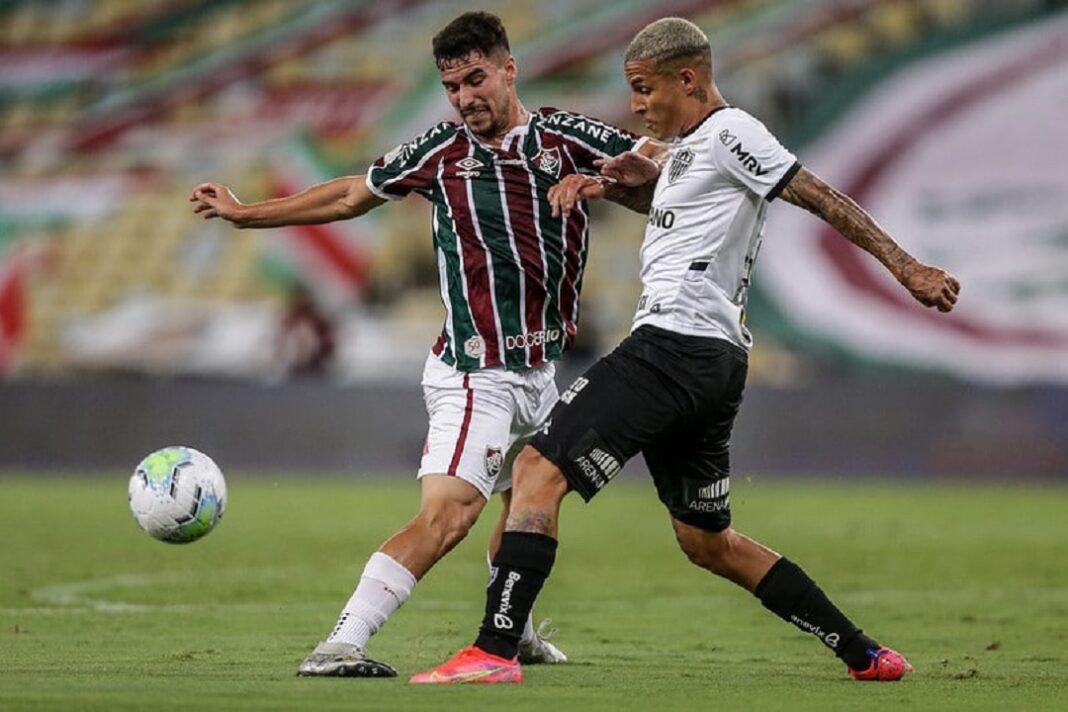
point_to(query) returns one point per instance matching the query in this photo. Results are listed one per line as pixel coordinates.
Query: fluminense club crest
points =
(548, 161)
(680, 161)
(494, 461)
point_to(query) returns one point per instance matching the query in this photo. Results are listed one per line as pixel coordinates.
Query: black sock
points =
(788, 592)
(519, 569)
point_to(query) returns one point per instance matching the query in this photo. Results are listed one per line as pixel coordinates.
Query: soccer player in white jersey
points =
(672, 388)
(510, 273)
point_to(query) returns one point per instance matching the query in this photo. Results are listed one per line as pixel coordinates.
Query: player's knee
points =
(709, 550)
(536, 480)
(447, 522)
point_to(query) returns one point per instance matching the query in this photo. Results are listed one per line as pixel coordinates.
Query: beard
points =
(485, 122)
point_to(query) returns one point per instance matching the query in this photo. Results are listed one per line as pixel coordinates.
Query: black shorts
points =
(669, 396)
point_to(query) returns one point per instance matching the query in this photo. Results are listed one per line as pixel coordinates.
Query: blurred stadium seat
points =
(110, 111)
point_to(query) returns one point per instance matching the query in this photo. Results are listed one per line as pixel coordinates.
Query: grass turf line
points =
(968, 581)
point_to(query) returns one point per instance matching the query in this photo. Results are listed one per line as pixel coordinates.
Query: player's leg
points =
(598, 423)
(787, 591)
(690, 467)
(470, 417)
(536, 395)
(603, 419)
(448, 509)
(534, 645)
(523, 562)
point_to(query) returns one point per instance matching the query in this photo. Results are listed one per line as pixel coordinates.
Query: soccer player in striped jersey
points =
(510, 270)
(672, 388)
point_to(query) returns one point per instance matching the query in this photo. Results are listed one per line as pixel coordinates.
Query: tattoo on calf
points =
(530, 522)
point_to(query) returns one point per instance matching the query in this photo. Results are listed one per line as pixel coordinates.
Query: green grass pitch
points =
(970, 581)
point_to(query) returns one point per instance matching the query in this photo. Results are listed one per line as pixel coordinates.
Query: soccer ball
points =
(177, 494)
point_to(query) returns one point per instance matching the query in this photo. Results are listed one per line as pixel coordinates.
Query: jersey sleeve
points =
(410, 166)
(588, 139)
(744, 150)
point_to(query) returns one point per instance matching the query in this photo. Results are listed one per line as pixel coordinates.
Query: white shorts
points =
(480, 420)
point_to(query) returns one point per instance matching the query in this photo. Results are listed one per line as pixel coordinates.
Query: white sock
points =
(528, 627)
(384, 587)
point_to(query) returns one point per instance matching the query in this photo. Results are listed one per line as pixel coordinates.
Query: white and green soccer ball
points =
(177, 494)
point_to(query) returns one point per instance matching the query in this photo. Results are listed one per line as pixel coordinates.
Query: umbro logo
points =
(469, 167)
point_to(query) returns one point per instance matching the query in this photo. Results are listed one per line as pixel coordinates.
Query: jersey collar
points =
(705, 118)
(513, 138)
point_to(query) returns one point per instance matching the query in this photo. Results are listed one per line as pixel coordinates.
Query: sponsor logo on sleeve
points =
(582, 125)
(748, 160)
(400, 153)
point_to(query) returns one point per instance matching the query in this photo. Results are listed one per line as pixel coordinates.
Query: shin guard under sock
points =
(520, 568)
(788, 592)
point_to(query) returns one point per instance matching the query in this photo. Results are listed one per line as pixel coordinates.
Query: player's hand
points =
(572, 189)
(629, 169)
(214, 200)
(933, 287)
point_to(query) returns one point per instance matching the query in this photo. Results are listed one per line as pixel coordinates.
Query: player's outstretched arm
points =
(929, 285)
(337, 199)
(630, 169)
(571, 189)
(628, 179)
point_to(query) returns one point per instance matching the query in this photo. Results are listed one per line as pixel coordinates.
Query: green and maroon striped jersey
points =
(510, 272)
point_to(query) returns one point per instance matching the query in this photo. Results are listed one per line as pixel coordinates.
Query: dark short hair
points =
(482, 31)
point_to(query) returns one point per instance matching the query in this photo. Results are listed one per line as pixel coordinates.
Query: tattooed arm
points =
(928, 285)
(638, 199)
(628, 179)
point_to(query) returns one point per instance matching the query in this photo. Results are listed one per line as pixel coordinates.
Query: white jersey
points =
(706, 224)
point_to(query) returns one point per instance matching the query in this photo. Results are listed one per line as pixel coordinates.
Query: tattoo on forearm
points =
(807, 191)
(530, 522)
(637, 199)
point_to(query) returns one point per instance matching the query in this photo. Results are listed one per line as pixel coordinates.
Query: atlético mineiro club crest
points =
(494, 461)
(548, 161)
(680, 161)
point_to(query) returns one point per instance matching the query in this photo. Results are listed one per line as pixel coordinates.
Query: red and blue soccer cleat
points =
(886, 666)
(472, 665)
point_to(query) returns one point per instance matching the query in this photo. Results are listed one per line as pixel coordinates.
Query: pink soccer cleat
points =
(886, 666)
(472, 665)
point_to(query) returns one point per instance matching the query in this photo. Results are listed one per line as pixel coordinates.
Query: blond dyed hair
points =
(668, 39)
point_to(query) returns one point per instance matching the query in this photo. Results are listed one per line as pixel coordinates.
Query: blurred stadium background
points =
(126, 323)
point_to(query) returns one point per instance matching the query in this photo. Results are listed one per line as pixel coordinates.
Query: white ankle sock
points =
(384, 587)
(528, 629)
